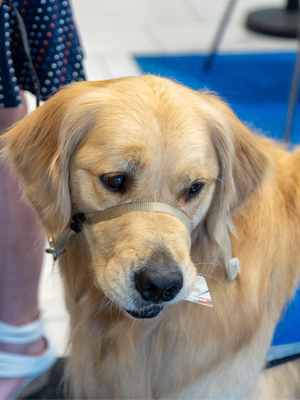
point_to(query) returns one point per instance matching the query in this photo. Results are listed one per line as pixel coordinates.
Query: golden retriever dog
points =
(98, 145)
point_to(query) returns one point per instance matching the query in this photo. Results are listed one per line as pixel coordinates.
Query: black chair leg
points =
(293, 96)
(220, 32)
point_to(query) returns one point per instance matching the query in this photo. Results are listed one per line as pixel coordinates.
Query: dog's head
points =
(96, 145)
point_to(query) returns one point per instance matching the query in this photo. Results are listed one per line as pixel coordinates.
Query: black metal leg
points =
(217, 39)
(292, 5)
(294, 91)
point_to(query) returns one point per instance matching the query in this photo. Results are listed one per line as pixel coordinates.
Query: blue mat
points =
(286, 339)
(256, 86)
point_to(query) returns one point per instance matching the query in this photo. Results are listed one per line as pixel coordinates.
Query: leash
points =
(276, 363)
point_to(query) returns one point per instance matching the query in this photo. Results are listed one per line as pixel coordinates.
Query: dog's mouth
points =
(148, 313)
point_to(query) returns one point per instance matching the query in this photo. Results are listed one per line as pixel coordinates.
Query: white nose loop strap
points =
(111, 213)
(231, 264)
(118, 211)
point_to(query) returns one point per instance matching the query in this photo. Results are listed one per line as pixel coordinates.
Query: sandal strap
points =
(19, 365)
(20, 334)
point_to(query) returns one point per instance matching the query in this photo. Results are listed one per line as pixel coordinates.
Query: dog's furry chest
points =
(165, 360)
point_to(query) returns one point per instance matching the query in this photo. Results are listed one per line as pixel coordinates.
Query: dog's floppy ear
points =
(243, 165)
(40, 146)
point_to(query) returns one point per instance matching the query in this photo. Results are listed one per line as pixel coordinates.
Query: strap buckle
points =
(51, 249)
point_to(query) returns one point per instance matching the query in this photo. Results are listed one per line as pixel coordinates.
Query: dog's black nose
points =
(158, 286)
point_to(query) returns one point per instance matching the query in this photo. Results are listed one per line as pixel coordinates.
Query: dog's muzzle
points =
(231, 264)
(110, 213)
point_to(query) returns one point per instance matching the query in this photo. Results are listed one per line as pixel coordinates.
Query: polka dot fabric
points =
(54, 45)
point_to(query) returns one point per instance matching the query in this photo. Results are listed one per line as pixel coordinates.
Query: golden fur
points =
(165, 136)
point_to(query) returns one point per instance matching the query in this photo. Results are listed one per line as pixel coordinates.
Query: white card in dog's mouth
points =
(200, 293)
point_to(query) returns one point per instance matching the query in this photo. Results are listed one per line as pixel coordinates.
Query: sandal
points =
(35, 369)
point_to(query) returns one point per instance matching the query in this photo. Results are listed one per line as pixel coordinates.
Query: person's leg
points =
(21, 250)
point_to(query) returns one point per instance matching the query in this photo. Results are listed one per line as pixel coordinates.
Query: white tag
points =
(200, 293)
(233, 269)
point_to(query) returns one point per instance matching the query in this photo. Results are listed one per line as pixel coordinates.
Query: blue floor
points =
(255, 85)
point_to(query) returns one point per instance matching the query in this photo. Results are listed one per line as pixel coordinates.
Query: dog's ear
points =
(243, 165)
(40, 146)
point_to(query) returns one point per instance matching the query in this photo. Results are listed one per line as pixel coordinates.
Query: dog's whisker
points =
(91, 286)
(210, 264)
(106, 301)
(110, 309)
(215, 279)
(223, 183)
(202, 261)
(121, 311)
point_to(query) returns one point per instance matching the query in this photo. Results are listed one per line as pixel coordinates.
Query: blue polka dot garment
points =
(54, 46)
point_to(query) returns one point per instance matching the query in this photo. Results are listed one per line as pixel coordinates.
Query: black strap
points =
(76, 224)
(275, 363)
(24, 37)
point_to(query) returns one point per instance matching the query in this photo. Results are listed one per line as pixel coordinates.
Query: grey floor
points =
(55, 389)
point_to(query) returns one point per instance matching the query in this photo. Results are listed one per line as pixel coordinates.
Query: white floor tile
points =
(94, 69)
(58, 333)
(128, 15)
(52, 305)
(185, 38)
(120, 66)
(213, 11)
(51, 291)
(245, 40)
(30, 101)
(150, 34)
(133, 40)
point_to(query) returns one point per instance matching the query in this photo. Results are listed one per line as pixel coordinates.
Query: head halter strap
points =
(111, 213)
(232, 264)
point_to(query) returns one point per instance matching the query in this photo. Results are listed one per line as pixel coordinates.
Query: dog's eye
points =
(114, 182)
(195, 189)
